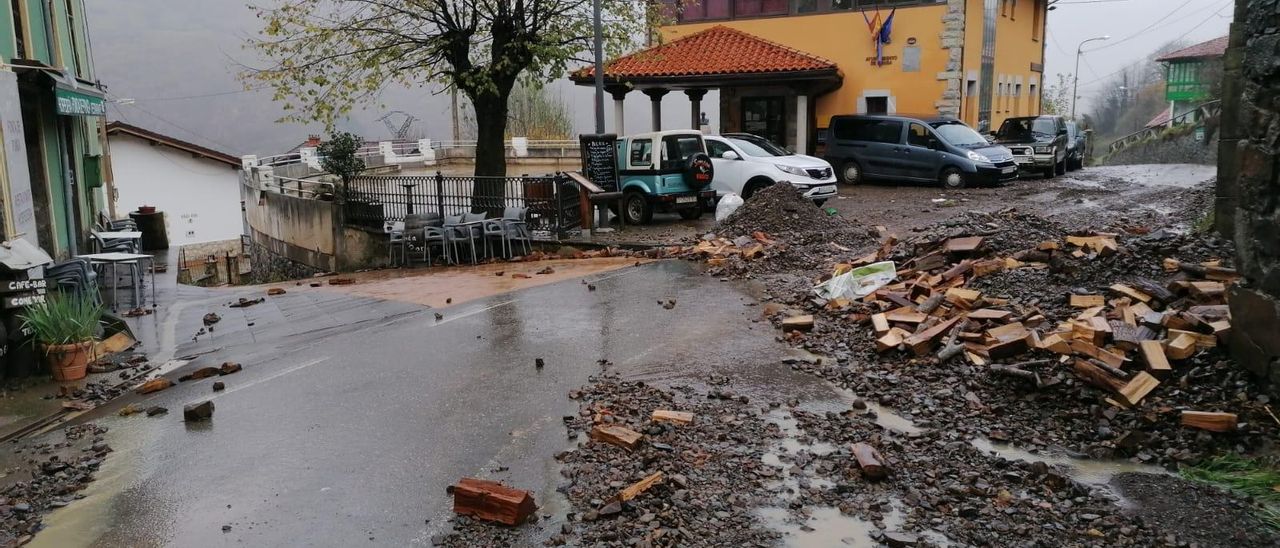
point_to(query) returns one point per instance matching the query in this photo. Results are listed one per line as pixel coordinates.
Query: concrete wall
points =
(1251, 194)
(290, 235)
(1180, 149)
(200, 197)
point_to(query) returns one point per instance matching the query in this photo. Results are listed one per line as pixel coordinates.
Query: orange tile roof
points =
(1213, 48)
(716, 51)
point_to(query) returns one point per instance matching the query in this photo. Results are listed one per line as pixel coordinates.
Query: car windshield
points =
(1027, 128)
(755, 146)
(959, 134)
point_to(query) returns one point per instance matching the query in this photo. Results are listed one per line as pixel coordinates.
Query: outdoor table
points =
(114, 259)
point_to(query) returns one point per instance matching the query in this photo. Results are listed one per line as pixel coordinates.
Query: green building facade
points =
(52, 113)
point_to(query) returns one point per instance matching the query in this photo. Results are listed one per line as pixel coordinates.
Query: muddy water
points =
(1090, 471)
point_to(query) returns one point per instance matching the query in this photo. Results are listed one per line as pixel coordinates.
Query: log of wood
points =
(889, 341)
(1056, 344)
(1155, 290)
(870, 461)
(880, 323)
(1096, 376)
(929, 262)
(1032, 256)
(931, 304)
(1213, 422)
(1208, 290)
(634, 490)
(1011, 371)
(1141, 385)
(1153, 354)
(492, 501)
(902, 315)
(951, 348)
(983, 268)
(1114, 371)
(990, 314)
(620, 436)
(675, 417)
(1181, 347)
(962, 297)
(960, 269)
(962, 245)
(1110, 358)
(1131, 293)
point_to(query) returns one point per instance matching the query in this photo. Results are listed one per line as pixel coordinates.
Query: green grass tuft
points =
(1256, 478)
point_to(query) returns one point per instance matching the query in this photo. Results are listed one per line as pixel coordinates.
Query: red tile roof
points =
(716, 51)
(1161, 119)
(1213, 48)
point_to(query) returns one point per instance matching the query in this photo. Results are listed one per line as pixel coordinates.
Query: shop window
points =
(698, 10)
(759, 7)
(877, 105)
(806, 6)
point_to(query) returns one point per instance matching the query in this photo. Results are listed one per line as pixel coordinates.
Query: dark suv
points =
(1039, 143)
(914, 148)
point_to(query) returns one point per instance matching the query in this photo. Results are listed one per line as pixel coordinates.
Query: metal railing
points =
(551, 200)
(1198, 115)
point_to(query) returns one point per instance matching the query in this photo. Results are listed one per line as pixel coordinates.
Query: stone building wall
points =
(1251, 149)
(1182, 149)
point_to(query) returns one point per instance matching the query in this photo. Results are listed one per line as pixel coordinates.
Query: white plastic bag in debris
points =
(859, 282)
(728, 204)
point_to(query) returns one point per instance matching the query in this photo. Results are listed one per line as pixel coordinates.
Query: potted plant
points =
(65, 327)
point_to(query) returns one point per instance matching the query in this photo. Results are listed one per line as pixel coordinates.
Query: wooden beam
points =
(1097, 376)
(1213, 422)
(798, 323)
(1131, 293)
(675, 417)
(635, 489)
(870, 461)
(1137, 388)
(1181, 347)
(492, 501)
(1153, 355)
(620, 436)
(922, 343)
(1087, 301)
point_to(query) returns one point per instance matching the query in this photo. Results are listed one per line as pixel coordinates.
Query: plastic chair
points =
(517, 228)
(457, 231)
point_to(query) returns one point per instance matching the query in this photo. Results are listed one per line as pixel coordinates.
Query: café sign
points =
(76, 103)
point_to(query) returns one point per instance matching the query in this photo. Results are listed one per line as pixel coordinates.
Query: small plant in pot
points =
(65, 327)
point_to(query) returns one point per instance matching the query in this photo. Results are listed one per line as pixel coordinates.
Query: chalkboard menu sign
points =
(600, 160)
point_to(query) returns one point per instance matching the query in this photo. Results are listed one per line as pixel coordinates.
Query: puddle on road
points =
(886, 418)
(1089, 471)
(826, 526)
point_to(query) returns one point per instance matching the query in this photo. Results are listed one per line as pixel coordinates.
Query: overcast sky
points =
(1136, 27)
(178, 59)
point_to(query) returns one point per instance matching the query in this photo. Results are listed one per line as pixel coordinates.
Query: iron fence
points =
(552, 200)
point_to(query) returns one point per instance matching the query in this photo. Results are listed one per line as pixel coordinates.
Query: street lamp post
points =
(1075, 86)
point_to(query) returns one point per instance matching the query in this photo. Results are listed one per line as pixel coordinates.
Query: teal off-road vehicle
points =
(664, 171)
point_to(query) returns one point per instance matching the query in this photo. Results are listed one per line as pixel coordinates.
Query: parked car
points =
(1078, 146)
(1039, 143)
(915, 148)
(664, 171)
(746, 163)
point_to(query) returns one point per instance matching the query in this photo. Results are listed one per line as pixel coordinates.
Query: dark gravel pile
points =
(781, 212)
(1215, 520)
(43, 476)
(1003, 232)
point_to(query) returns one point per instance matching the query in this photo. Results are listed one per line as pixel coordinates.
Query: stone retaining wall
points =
(1181, 149)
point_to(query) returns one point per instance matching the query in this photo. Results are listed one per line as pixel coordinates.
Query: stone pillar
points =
(695, 106)
(952, 39)
(802, 123)
(619, 93)
(655, 95)
(1255, 300)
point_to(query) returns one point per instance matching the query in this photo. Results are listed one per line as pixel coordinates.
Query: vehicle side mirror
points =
(729, 155)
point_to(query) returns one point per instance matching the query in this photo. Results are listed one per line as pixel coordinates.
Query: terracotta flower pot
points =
(68, 362)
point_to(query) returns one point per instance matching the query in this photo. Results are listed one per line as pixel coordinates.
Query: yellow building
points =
(784, 67)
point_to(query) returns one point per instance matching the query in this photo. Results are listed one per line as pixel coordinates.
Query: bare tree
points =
(332, 55)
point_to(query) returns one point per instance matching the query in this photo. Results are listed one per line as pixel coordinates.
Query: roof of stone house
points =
(1213, 48)
(119, 127)
(719, 50)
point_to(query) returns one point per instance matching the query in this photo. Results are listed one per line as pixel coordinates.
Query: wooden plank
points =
(870, 461)
(990, 314)
(963, 245)
(1138, 388)
(1153, 354)
(1008, 332)
(1208, 290)
(1221, 329)
(1181, 347)
(1006, 349)
(922, 343)
(492, 501)
(798, 323)
(903, 315)
(116, 343)
(635, 489)
(620, 436)
(991, 266)
(957, 295)
(1087, 332)
(1087, 301)
(1140, 310)
(1109, 358)
(675, 417)
(1090, 312)
(1131, 293)
(960, 269)
(889, 341)
(1056, 344)
(1206, 420)
(880, 323)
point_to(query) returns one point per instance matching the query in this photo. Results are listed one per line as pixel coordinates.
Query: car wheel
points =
(636, 208)
(952, 179)
(850, 173)
(1060, 168)
(753, 186)
(1049, 172)
(691, 213)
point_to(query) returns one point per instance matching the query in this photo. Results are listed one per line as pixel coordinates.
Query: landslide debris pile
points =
(780, 211)
(1019, 329)
(47, 476)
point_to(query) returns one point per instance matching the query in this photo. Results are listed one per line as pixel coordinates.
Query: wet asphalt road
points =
(349, 436)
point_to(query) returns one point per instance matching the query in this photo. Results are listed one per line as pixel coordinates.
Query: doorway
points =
(763, 116)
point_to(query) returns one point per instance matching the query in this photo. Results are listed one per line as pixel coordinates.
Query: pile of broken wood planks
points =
(718, 250)
(1125, 339)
